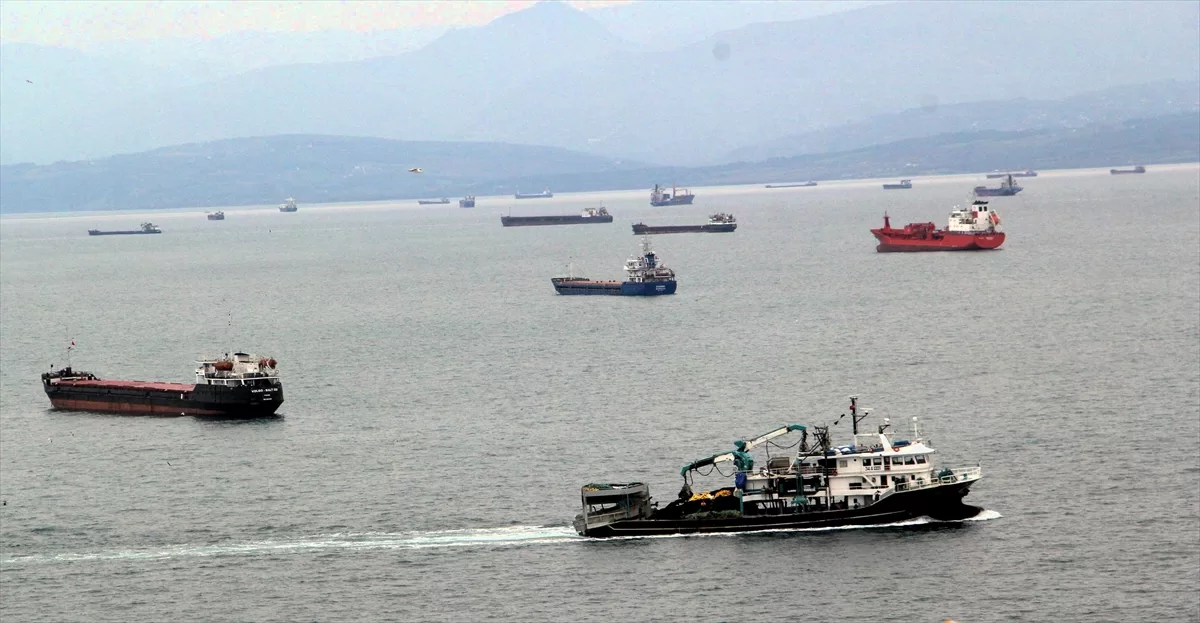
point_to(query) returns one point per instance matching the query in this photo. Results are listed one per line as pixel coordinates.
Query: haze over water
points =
(443, 406)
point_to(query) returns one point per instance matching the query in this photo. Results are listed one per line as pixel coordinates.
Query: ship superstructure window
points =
(842, 463)
(921, 459)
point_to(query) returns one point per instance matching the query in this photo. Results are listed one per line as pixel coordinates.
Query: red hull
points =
(896, 241)
(128, 407)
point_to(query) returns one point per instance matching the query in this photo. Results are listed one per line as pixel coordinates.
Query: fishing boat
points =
(876, 479)
(289, 205)
(216, 216)
(467, 202)
(972, 228)
(146, 228)
(902, 185)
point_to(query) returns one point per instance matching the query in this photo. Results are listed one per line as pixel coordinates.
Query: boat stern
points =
(605, 504)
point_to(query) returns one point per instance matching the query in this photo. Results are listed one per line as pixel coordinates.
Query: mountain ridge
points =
(329, 169)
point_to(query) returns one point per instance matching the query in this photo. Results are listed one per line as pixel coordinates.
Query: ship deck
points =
(147, 385)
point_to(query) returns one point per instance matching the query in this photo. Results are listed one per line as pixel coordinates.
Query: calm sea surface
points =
(443, 407)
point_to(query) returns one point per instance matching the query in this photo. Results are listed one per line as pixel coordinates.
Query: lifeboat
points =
(223, 365)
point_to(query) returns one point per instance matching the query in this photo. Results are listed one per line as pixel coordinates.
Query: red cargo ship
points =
(238, 386)
(976, 228)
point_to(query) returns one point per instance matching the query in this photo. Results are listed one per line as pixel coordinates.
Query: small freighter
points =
(645, 277)
(677, 197)
(426, 202)
(875, 480)
(975, 228)
(717, 223)
(467, 202)
(545, 194)
(804, 185)
(1026, 173)
(216, 216)
(902, 185)
(146, 228)
(289, 205)
(586, 217)
(1138, 169)
(1007, 188)
(237, 386)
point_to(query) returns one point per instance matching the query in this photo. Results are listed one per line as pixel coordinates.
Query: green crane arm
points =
(741, 456)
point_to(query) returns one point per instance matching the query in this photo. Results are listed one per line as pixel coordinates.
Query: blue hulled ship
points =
(646, 277)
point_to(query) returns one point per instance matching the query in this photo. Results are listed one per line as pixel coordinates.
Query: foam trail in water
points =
(511, 535)
(494, 537)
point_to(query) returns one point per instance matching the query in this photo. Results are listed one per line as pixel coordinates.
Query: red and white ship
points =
(974, 228)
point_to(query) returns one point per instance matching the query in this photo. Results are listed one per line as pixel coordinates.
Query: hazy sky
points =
(77, 23)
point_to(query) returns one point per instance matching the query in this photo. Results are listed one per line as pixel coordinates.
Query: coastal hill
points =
(314, 169)
(557, 76)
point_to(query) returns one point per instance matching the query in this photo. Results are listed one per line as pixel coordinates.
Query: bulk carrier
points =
(586, 217)
(235, 386)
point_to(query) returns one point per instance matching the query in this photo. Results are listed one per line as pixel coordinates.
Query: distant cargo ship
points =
(716, 223)
(216, 216)
(147, 228)
(467, 202)
(1137, 169)
(1007, 188)
(903, 185)
(587, 217)
(289, 205)
(677, 197)
(1026, 173)
(545, 194)
(645, 277)
(243, 385)
(804, 185)
(976, 228)
(426, 202)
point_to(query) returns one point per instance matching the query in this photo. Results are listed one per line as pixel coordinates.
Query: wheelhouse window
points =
(920, 459)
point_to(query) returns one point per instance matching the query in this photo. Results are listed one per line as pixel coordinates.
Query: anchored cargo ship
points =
(645, 277)
(716, 223)
(240, 386)
(903, 185)
(1138, 169)
(425, 202)
(586, 217)
(1026, 173)
(289, 205)
(677, 197)
(467, 202)
(146, 228)
(1007, 188)
(804, 185)
(216, 216)
(975, 228)
(876, 479)
(545, 194)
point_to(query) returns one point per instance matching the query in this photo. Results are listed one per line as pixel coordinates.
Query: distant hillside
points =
(1107, 106)
(328, 169)
(268, 169)
(1159, 140)
(553, 75)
